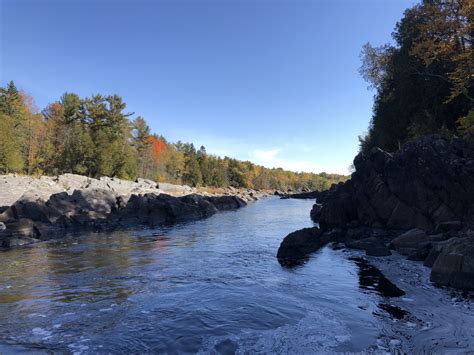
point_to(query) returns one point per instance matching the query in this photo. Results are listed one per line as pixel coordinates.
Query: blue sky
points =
(274, 82)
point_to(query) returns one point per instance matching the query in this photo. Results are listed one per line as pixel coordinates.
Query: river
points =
(209, 286)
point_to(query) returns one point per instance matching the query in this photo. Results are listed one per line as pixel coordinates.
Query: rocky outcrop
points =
(103, 204)
(418, 201)
(31, 219)
(428, 182)
(454, 265)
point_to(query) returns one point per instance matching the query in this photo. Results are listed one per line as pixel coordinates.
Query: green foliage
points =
(422, 82)
(10, 152)
(94, 136)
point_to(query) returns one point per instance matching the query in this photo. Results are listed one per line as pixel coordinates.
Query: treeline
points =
(424, 83)
(95, 136)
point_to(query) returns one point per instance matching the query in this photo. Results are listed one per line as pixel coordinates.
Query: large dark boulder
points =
(30, 206)
(454, 265)
(299, 244)
(179, 210)
(223, 203)
(411, 241)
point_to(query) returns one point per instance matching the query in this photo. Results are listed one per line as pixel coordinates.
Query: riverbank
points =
(418, 201)
(37, 209)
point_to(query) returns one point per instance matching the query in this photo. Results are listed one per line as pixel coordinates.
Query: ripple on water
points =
(213, 285)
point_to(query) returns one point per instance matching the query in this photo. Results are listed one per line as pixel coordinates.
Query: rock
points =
(175, 189)
(420, 254)
(411, 241)
(455, 264)
(378, 250)
(31, 206)
(179, 211)
(316, 211)
(50, 204)
(373, 246)
(299, 244)
(428, 182)
(223, 203)
(305, 195)
(434, 252)
(449, 226)
(23, 227)
(12, 242)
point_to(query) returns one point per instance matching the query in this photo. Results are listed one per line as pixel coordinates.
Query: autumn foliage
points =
(94, 136)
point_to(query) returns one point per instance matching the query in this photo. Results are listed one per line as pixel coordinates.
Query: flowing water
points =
(209, 286)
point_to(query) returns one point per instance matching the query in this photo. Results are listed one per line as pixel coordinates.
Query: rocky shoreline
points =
(418, 202)
(39, 209)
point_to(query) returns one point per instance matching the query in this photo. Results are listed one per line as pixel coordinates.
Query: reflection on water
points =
(210, 285)
(370, 278)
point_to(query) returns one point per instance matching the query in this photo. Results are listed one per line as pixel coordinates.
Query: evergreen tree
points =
(10, 151)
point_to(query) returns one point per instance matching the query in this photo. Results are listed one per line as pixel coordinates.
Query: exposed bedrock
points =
(428, 182)
(31, 219)
(418, 201)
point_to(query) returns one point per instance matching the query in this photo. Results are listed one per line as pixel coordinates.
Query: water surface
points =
(212, 285)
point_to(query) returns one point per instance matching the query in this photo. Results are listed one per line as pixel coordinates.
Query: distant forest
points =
(94, 136)
(423, 82)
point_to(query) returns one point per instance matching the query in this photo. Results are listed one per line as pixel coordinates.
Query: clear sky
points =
(273, 82)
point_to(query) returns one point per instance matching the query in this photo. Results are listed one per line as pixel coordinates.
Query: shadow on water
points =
(371, 279)
(293, 263)
(394, 311)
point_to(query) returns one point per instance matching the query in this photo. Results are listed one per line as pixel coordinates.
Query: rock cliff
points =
(418, 201)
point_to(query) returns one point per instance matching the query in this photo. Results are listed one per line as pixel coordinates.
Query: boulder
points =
(372, 246)
(411, 241)
(12, 242)
(23, 227)
(223, 203)
(299, 244)
(316, 211)
(378, 250)
(31, 206)
(179, 210)
(454, 265)
(449, 226)
(420, 254)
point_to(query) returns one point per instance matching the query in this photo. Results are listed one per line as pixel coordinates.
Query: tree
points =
(421, 82)
(140, 140)
(204, 166)
(235, 175)
(444, 38)
(192, 172)
(95, 137)
(10, 151)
